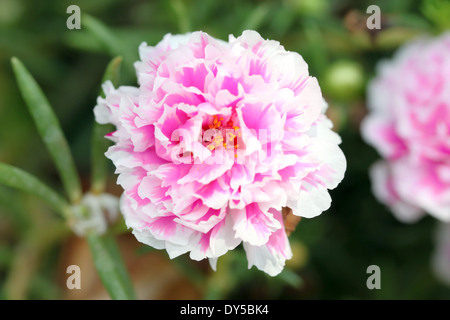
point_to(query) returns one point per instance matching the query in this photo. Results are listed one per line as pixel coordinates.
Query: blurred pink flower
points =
(219, 137)
(409, 124)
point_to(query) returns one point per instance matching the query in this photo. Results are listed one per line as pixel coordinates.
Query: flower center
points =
(222, 135)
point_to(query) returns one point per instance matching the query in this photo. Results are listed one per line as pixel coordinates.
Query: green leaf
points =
(112, 72)
(104, 35)
(19, 179)
(49, 128)
(257, 17)
(182, 18)
(437, 11)
(99, 143)
(110, 267)
(111, 42)
(291, 278)
(13, 203)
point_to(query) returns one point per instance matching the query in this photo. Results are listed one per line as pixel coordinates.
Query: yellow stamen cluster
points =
(218, 139)
(217, 122)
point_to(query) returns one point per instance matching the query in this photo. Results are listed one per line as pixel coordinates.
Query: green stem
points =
(110, 266)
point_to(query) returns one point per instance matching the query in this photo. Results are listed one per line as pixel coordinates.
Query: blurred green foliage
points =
(332, 251)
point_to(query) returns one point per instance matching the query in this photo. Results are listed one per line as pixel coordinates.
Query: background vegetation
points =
(331, 252)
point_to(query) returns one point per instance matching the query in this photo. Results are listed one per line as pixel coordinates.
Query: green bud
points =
(308, 7)
(344, 80)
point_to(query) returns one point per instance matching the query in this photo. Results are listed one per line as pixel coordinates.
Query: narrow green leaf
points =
(316, 43)
(182, 19)
(49, 129)
(98, 160)
(13, 203)
(109, 41)
(19, 179)
(112, 72)
(99, 143)
(291, 278)
(257, 16)
(110, 267)
(437, 11)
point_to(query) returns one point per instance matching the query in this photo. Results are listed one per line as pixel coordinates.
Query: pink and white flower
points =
(409, 124)
(216, 140)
